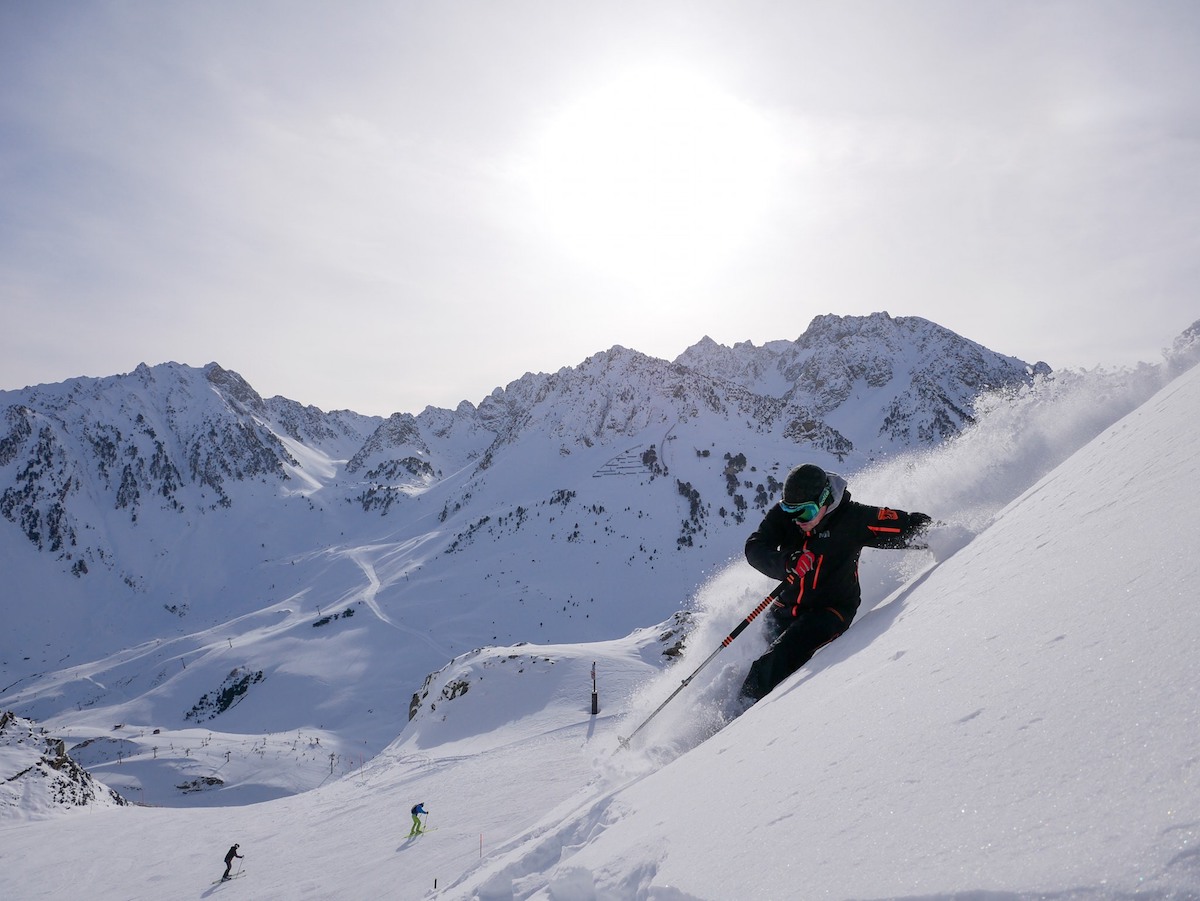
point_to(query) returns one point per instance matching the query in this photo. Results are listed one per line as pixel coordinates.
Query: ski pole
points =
(766, 602)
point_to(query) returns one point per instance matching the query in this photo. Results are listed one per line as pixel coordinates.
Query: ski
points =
(230, 878)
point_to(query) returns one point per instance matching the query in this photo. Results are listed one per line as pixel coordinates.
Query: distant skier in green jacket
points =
(417, 828)
(813, 538)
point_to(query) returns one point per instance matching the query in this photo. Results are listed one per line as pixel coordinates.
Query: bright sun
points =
(657, 174)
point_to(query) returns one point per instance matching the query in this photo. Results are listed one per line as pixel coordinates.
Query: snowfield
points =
(1017, 720)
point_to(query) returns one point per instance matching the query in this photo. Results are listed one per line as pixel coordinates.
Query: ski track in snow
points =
(365, 558)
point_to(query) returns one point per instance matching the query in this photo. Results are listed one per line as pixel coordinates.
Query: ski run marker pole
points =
(766, 602)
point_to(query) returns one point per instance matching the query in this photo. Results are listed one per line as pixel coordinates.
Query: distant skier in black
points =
(229, 856)
(417, 829)
(813, 538)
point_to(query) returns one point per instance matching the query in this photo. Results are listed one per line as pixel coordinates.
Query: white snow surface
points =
(1018, 720)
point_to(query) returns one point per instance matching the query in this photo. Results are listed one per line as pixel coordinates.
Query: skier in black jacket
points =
(229, 856)
(813, 538)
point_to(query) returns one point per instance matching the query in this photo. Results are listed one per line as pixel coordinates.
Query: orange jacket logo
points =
(885, 513)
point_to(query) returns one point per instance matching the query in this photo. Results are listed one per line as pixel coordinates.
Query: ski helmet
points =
(805, 484)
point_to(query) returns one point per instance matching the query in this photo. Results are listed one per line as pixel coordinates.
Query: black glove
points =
(918, 523)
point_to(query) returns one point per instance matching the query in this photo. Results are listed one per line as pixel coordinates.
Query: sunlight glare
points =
(656, 174)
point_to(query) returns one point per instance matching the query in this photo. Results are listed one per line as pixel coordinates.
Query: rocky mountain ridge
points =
(38, 774)
(180, 438)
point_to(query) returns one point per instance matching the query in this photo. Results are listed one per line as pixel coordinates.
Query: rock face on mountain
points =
(39, 775)
(916, 381)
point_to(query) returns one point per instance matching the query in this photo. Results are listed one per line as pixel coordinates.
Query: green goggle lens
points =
(807, 511)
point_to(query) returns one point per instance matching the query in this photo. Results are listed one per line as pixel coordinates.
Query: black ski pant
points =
(794, 647)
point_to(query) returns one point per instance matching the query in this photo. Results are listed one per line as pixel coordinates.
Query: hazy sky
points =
(383, 205)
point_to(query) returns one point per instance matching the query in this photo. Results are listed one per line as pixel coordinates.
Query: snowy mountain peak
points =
(38, 777)
(235, 389)
(1185, 349)
(398, 435)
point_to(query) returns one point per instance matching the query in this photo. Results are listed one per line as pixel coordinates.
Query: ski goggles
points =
(807, 511)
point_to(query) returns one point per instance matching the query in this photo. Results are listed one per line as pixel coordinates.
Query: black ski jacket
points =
(836, 544)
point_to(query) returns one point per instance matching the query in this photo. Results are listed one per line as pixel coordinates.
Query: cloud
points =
(236, 183)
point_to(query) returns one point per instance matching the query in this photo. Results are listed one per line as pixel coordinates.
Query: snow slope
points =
(1020, 719)
(1017, 721)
